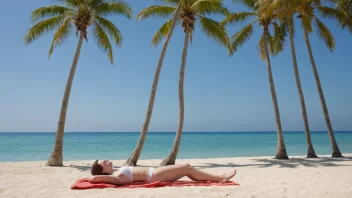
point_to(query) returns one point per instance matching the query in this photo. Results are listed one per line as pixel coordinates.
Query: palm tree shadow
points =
(291, 163)
(81, 167)
(295, 162)
(228, 165)
(260, 163)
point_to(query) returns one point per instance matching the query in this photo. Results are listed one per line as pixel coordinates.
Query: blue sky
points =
(222, 93)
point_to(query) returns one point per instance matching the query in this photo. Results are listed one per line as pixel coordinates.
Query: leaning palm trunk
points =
(310, 152)
(56, 155)
(132, 160)
(281, 150)
(171, 159)
(335, 148)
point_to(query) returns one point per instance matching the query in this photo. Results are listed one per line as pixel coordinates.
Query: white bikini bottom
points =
(150, 174)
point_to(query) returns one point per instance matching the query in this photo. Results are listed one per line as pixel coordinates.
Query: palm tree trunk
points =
(310, 152)
(281, 149)
(335, 148)
(132, 160)
(171, 159)
(56, 155)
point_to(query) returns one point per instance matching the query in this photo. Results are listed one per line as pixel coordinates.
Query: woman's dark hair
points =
(97, 169)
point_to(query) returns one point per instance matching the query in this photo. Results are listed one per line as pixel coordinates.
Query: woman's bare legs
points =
(174, 172)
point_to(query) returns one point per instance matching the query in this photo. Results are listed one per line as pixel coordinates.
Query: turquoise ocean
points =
(37, 146)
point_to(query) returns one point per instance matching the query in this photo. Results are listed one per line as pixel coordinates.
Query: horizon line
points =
(167, 131)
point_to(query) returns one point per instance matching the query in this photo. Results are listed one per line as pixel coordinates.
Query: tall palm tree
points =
(308, 15)
(308, 10)
(285, 15)
(243, 35)
(79, 15)
(132, 160)
(310, 149)
(191, 10)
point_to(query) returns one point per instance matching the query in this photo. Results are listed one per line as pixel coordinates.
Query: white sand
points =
(258, 176)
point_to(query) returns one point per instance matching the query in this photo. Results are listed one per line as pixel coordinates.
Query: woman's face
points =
(107, 166)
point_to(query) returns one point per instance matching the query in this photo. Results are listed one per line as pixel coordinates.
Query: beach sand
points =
(258, 176)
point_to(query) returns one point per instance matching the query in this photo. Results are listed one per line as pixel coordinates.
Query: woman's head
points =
(102, 167)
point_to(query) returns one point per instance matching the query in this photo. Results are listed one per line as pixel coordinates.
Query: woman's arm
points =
(105, 179)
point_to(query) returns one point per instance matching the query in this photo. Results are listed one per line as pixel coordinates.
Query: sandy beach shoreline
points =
(258, 176)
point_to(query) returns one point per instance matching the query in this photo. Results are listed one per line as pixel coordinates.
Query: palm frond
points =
(261, 45)
(281, 9)
(270, 40)
(342, 18)
(173, 2)
(237, 17)
(213, 29)
(196, 3)
(94, 3)
(306, 23)
(70, 3)
(161, 11)
(191, 36)
(113, 8)
(251, 4)
(62, 33)
(162, 32)
(209, 7)
(103, 41)
(42, 27)
(278, 40)
(344, 6)
(49, 11)
(316, 2)
(325, 34)
(111, 28)
(241, 36)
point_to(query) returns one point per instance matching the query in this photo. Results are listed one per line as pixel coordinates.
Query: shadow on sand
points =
(261, 163)
(291, 163)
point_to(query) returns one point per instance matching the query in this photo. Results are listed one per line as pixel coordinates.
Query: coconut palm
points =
(64, 18)
(286, 15)
(308, 14)
(310, 149)
(308, 10)
(344, 6)
(191, 10)
(132, 160)
(276, 45)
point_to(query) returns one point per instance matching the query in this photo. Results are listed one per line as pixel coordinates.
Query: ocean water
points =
(108, 145)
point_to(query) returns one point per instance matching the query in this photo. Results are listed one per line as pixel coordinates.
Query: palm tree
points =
(81, 15)
(307, 10)
(308, 14)
(243, 35)
(286, 15)
(191, 10)
(132, 160)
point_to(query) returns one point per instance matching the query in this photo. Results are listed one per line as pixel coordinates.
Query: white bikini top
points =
(128, 171)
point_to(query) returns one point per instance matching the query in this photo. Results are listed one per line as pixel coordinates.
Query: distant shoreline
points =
(347, 156)
(31, 146)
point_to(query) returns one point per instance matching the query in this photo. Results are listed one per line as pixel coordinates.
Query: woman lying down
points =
(103, 172)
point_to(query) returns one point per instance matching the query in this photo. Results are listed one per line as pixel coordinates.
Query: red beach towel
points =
(82, 184)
